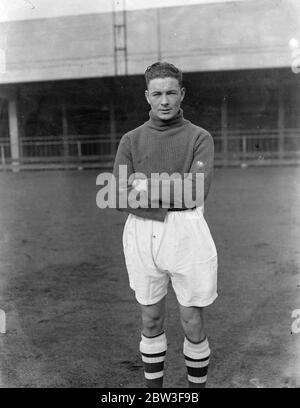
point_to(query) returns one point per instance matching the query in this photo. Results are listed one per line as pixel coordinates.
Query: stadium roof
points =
(206, 36)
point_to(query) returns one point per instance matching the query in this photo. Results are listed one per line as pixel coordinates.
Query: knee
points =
(152, 325)
(192, 320)
(193, 328)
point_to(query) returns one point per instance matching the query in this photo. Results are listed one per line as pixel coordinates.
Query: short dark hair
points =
(163, 70)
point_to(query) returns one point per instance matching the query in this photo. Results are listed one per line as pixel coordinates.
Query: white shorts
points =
(181, 249)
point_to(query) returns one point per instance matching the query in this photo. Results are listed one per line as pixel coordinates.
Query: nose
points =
(164, 100)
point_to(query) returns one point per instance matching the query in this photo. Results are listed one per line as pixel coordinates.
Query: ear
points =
(147, 96)
(182, 90)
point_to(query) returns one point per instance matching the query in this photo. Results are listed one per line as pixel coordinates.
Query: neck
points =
(161, 124)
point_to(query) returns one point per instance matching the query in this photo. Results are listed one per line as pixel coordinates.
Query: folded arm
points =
(188, 190)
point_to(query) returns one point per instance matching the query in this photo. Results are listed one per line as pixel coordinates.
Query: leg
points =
(153, 317)
(196, 348)
(192, 322)
(153, 345)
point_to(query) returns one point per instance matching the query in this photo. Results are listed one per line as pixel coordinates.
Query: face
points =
(164, 95)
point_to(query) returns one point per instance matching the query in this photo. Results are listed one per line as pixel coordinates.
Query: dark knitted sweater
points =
(157, 146)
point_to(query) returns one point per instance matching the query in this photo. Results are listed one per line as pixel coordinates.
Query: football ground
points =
(72, 320)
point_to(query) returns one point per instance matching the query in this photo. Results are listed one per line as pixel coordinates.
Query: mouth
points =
(165, 110)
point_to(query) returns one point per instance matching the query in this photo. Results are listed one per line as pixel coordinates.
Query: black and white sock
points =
(197, 361)
(153, 352)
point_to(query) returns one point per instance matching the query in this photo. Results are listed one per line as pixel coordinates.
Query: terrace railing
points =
(235, 148)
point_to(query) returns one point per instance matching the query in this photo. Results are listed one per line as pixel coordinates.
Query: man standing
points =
(165, 238)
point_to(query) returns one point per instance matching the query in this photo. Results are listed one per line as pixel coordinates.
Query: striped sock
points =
(153, 351)
(197, 361)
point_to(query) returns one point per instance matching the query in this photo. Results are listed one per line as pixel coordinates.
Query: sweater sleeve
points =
(122, 170)
(203, 161)
(196, 182)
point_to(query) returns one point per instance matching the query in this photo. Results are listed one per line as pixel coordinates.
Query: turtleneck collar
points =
(159, 124)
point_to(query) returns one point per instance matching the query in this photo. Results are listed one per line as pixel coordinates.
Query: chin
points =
(167, 116)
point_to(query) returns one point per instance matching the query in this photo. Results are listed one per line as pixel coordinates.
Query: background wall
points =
(203, 37)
